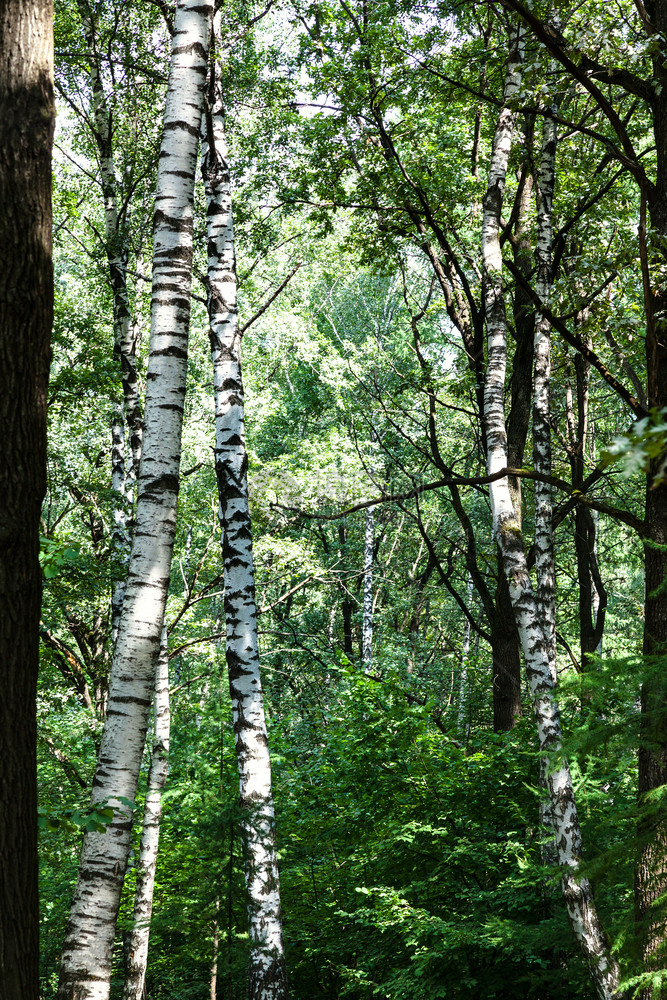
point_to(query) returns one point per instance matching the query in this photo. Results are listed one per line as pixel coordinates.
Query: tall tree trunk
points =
(86, 961)
(267, 970)
(576, 888)
(27, 115)
(545, 563)
(651, 870)
(135, 982)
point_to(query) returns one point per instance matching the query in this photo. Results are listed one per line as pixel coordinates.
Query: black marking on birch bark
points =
(174, 224)
(101, 875)
(165, 483)
(178, 126)
(171, 352)
(128, 700)
(183, 174)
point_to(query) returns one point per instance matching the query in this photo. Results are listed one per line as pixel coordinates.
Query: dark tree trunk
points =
(505, 651)
(26, 312)
(651, 870)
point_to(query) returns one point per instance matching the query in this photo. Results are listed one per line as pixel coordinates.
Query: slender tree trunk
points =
(347, 606)
(86, 962)
(135, 982)
(576, 889)
(545, 563)
(462, 726)
(591, 619)
(651, 869)
(367, 626)
(213, 991)
(27, 115)
(267, 970)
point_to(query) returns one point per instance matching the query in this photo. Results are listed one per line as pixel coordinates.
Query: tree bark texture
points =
(576, 889)
(86, 962)
(545, 562)
(135, 979)
(27, 115)
(267, 970)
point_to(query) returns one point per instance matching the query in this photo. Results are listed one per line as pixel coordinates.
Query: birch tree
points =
(535, 643)
(647, 92)
(545, 564)
(135, 980)
(367, 623)
(27, 115)
(86, 961)
(267, 970)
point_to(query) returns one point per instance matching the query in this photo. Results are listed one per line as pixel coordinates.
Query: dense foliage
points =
(411, 853)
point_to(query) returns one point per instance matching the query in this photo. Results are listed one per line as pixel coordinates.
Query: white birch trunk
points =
(86, 960)
(367, 624)
(150, 835)
(267, 971)
(545, 565)
(576, 888)
(461, 726)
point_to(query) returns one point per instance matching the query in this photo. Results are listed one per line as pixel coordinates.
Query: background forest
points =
(364, 144)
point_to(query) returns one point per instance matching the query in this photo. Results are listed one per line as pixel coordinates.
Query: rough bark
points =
(26, 310)
(267, 970)
(576, 888)
(86, 962)
(135, 981)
